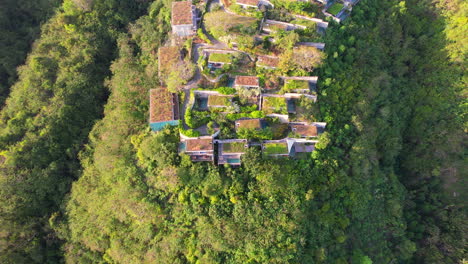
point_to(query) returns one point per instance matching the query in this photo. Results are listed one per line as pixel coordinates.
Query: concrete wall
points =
(183, 30)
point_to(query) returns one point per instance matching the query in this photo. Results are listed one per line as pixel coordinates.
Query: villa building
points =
(231, 150)
(184, 19)
(199, 149)
(164, 109)
(247, 82)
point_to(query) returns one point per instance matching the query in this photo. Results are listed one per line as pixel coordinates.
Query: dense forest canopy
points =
(20, 22)
(83, 180)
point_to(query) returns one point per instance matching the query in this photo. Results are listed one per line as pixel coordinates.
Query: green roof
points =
(275, 148)
(335, 8)
(220, 57)
(296, 84)
(234, 147)
(277, 104)
(216, 100)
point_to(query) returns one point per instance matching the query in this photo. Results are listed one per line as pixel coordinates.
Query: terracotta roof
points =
(249, 123)
(305, 130)
(161, 105)
(205, 144)
(167, 57)
(246, 81)
(182, 13)
(248, 2)
(269, 61)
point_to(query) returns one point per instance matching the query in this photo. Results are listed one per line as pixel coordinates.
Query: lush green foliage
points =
(20, 22)
(226, 90)
(335, 8)
(251, 134)
(47, 119)
(374, 191)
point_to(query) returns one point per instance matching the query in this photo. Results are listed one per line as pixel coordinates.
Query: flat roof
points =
(275, 148)
(250, 123)
(161, 105)
(269, 61)
(200, 144)
(182, 13)
(304, 147)
(246, 81)
(167, 57)
(305, 130)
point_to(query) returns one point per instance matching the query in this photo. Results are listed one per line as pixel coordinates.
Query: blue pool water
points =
(202, 103)
(233, 160)
(291, 106)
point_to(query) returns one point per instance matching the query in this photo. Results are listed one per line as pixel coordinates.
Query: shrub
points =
(246, 133)
(195, 119)
(203, 36)
(226, 90)
(189, 132)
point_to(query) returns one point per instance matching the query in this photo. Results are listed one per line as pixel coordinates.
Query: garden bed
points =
(275, 148)
(220, 57)
(275, 104)
(335, 8)
(234, 147)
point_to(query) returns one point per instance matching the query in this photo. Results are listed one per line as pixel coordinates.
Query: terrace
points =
(274, 104)
(270, 26)
(317, 45)
(199, 149)
(254, 124)
(301, 149)
(304, 130)
(335, 8)
(227, 27)
(218, 101)
(268, 62)
(164, 109)
(167, 58)
(218, 60)
(231, 150)
(304, 85)
(275, 148)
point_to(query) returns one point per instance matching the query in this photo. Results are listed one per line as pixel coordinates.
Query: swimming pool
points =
(231, 161)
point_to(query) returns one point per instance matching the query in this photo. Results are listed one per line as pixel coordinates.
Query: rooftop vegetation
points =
(291, 85)
(221, 24)
(335, 8)
(275, 148)
(220, 57)
(234, 147)
(254, 134)
(275, 104)
(216, 100)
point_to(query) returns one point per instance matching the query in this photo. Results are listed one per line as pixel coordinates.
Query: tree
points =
(181, 73)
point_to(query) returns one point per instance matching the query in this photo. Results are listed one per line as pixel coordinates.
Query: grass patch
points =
(234, 147)
(221, 24)
(275, 148)
(215, 100)
(220, 57)
(291, 85)
(276, 104)
(335, 8)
